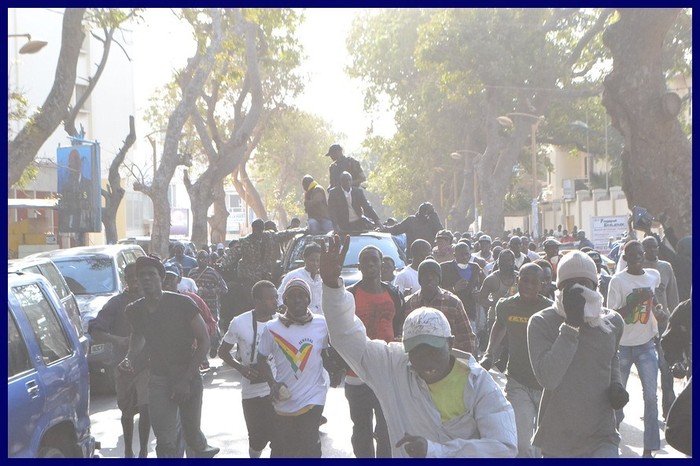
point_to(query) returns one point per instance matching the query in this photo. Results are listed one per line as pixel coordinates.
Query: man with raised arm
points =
(437, 402)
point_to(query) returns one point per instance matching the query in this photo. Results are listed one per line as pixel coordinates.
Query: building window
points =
(139, 213)
(80, 90)
(234, 202)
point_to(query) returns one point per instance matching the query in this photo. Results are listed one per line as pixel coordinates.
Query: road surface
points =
(223, 424)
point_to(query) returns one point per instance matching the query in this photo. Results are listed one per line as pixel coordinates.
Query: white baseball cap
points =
(425, 325)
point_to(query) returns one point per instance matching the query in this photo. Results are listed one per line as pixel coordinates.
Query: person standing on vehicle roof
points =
(341, 164)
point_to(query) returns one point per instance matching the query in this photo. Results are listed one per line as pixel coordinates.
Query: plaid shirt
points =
(210, 288)
(450, 305)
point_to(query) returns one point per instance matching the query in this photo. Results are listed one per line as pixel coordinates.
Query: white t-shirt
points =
(352, 215)
(296, 353)
(519, 261)
(407, 279)
(316, 285)
(187, 284)
(240, 334)
(640, 324)
(532, 255)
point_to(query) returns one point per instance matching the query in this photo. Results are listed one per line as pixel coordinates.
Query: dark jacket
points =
(417, 228)
(450, 276)
(397, 297)
(346, 164)
(338, 207)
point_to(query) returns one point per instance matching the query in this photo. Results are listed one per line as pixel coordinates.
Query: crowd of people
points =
(413, 349)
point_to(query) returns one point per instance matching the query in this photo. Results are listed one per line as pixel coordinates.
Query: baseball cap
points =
(551, 242)
(334, 148)
(220, 246)
(484, 238)
(426, 326)
(150, 261)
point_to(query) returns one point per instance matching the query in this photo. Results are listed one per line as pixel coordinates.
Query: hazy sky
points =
(162, 45)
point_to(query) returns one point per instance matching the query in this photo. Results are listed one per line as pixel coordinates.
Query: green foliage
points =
(16, 110)
(111, 18)
(433, 66)
(28, 175)
(293, 145)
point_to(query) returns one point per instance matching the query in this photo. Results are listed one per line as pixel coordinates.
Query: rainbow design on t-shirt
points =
(297, 357)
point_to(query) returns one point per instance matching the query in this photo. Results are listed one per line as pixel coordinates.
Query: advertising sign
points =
(79, 189)
(180, 222)
(602, 228)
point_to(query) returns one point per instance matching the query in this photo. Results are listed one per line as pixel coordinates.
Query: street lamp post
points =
(589, 166)
(457, 155)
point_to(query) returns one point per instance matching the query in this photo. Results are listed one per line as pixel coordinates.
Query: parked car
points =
(48, 269)
(48, 390)
(145, 243)
(293, 257)
(95, 274)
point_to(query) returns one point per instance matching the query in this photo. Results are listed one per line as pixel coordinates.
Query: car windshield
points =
(385, 244)
(88, 275)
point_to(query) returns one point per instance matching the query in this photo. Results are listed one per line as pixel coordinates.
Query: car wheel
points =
(51, 452)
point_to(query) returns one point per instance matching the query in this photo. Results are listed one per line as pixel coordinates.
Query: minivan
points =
(48, 389)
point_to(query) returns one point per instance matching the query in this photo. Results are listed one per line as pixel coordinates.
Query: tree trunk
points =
(656, 159)
(217, 222)
(462, 212)
(200, 200)
(230, 156)
(248, 192)
(495, 168)
(23, 148)
(115, 193)
(192, 81)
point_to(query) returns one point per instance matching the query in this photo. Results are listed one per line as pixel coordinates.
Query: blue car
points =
(48, 389)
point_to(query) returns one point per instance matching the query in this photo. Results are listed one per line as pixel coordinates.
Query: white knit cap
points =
(576, 264)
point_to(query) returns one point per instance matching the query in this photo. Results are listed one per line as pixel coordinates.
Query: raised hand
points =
(574, 304)
(332, 258)
(415, 445)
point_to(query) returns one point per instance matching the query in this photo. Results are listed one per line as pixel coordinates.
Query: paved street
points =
(222, 420)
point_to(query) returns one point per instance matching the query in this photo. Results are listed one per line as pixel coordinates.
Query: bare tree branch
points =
(69, 122)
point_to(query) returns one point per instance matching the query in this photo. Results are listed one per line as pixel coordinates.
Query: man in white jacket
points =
(416, 381)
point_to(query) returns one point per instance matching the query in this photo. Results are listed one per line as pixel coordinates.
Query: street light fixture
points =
(32, 46)
(459, 154)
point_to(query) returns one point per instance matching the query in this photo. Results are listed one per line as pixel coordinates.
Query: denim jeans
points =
(319, 226)
(645, 359)
(599, 450)
(364, 406)
(176, 424)
(667, 394)
(526, 403)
